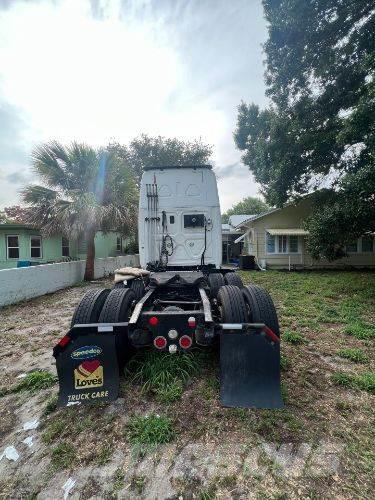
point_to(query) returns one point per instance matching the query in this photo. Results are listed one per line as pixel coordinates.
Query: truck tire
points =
(117, 307)
(261, 308)
(88, 310)
(233, 279)
(120, 284)
(215, 282)
(138, 288)
(232, 305)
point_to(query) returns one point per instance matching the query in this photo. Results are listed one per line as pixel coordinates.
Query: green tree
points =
(145, 151)
(250, 205)
(319, 129)
(83, 190)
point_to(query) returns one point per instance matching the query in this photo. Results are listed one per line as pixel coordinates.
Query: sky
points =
(102, 70)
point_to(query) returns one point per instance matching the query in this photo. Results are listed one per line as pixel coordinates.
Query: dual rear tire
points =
(250, 304)
(104, 306)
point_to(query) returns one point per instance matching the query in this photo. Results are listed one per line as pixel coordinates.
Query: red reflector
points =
(64, 341)
(153, 321)
(160, 342)
(192, 322)
(185, 341)
(272, 336)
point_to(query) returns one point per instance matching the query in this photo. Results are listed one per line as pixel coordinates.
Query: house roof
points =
(237, 220)
(13, 225)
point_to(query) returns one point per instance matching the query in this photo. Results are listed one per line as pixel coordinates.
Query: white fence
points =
(26, 282)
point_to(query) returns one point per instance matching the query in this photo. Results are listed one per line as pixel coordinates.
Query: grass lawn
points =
(319, 446)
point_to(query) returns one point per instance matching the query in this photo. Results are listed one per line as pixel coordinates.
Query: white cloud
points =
(76, 76)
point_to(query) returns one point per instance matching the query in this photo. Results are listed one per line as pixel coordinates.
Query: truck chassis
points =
(174, 311)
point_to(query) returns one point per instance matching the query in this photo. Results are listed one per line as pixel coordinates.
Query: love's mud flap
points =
(87, 368)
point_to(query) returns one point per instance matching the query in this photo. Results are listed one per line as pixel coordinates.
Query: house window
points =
(293, 243)
(367, 244)
(352, 247)
(36, 247)
(282, 241)
(65, 247)
(270, 243)
(119, 244)
(13, 249)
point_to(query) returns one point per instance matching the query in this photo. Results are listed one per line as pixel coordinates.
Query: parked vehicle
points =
(183, 299)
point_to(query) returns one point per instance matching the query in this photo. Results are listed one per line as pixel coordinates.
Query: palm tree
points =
(83, 191)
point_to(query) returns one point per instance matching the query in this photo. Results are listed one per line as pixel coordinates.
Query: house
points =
(230, 233)
(277, 239)
(23, 245)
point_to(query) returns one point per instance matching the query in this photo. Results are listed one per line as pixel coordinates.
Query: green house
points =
(22, 245)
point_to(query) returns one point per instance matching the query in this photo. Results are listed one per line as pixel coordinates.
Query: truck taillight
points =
(185, 341)
(64, 341)
(192, 322)
(153, 321)
(160, 342)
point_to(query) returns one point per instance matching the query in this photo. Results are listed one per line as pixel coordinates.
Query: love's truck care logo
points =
(88, 374)
(86, 352)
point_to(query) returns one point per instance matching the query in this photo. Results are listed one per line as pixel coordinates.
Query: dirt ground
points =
(319, 446)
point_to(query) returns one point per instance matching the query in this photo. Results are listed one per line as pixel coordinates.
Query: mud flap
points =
(87, 367)
(250, 371)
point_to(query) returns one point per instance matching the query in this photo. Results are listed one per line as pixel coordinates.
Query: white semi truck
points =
(181, 300)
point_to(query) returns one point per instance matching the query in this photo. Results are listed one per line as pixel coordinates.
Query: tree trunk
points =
(90, 256)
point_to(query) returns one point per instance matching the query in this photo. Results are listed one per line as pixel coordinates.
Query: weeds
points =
(51, 405)
(63, 455)
(360, 331)
(150, 430)
(138, 483)
(35, 381)
(365, 381)
(293, 337)
(53, 431)
(356, 355)
(169, 393)
(156, 371)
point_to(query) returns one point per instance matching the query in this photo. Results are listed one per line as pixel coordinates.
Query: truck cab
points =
(179, 221)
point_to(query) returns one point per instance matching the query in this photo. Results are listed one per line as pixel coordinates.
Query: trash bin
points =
(23, 263)
(247, 262)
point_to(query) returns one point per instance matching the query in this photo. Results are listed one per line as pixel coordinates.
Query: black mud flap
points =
(87, 366)
(250, 371)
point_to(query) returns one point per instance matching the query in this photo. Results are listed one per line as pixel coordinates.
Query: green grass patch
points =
(63, 455)
(53, 431)
(51, 405)
(150, 430)
(284, 363)
(170, 393)
(156, 371)
(356, 355)
(365, 381)
(36, 381)
(292, 337)
(360, 331)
